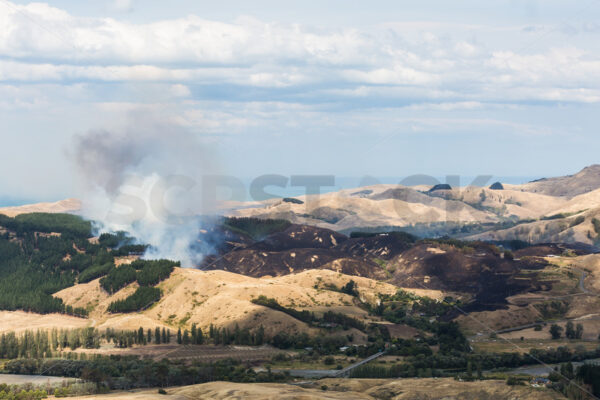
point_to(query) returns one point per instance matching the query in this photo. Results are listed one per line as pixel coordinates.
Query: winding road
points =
(582, 281)
(346, 371)
(545, 369)
(329, 373)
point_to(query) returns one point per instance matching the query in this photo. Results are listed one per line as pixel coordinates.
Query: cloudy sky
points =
(350, 88)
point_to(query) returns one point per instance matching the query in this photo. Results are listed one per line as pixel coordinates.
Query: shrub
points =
(555, 216)
(303, 316)
(555, 331)
(69, 224)
(279, 357)
(553, 309)
(61, 392)
(596, 223)
(142, 298)
(113, 240)
(153, 271)
(513, 381)
(440, 186)
(118, 278)
(577, 221)
(292, 200)
(350, 288)
(95, 271)
(256, 228)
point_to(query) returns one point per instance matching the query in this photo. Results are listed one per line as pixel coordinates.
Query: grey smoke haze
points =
(105, 158)
(145, 179)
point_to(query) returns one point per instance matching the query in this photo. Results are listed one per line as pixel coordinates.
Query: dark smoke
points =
(146, 179)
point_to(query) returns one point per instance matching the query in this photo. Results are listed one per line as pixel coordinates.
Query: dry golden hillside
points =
(395, 205)
(224, 299)
(488, 321)
(18, 321)
(62, 206)
(91, 296)
(582, 202)
(507, 202)
(584, 181)
(420, 209)
(347, 389)
(384, 205)
(578, 227)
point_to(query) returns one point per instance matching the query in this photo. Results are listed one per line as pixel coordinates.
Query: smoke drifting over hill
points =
(146, 180)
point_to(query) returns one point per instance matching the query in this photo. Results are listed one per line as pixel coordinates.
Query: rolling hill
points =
(545, 210)
(281, 292)
(62, 206)
(355, 389)
(223, 299)
(559, 209)
(586, 180)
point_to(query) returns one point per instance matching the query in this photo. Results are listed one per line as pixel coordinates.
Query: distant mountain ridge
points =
(539, 211)
(562, 209)
(70, 206)
(586, 180)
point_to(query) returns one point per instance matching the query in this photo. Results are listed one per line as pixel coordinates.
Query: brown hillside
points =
(347, 389)
(62, 206)
(586, 180)
(18, 321)
(223, 299)
(576, 228)
(477, 269)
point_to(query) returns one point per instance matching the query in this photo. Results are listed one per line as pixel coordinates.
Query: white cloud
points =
(396, 75)
(179, 90)
(557, 67)
(444, 106)
(413, 61)
(122, 5)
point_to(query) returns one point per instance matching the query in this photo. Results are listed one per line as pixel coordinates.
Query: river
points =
(544, 370)
(13, 379)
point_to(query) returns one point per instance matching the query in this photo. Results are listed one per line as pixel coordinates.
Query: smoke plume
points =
(146, 180)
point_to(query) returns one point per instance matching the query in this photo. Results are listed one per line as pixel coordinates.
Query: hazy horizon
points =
(509, 89)
(289, 191)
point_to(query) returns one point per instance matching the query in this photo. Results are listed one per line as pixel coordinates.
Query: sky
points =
(343, 88)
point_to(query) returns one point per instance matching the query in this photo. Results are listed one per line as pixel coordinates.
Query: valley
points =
(288, 302)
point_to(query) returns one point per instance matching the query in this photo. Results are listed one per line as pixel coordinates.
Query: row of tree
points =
(8, 393)
(142, 298)
(237, 336)
(66, 224)
(49, 343)
(40, 344)
(329, 319)
(145, 272)
(116, 372)
(414, 366)
(128, 338)
(571, 331)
